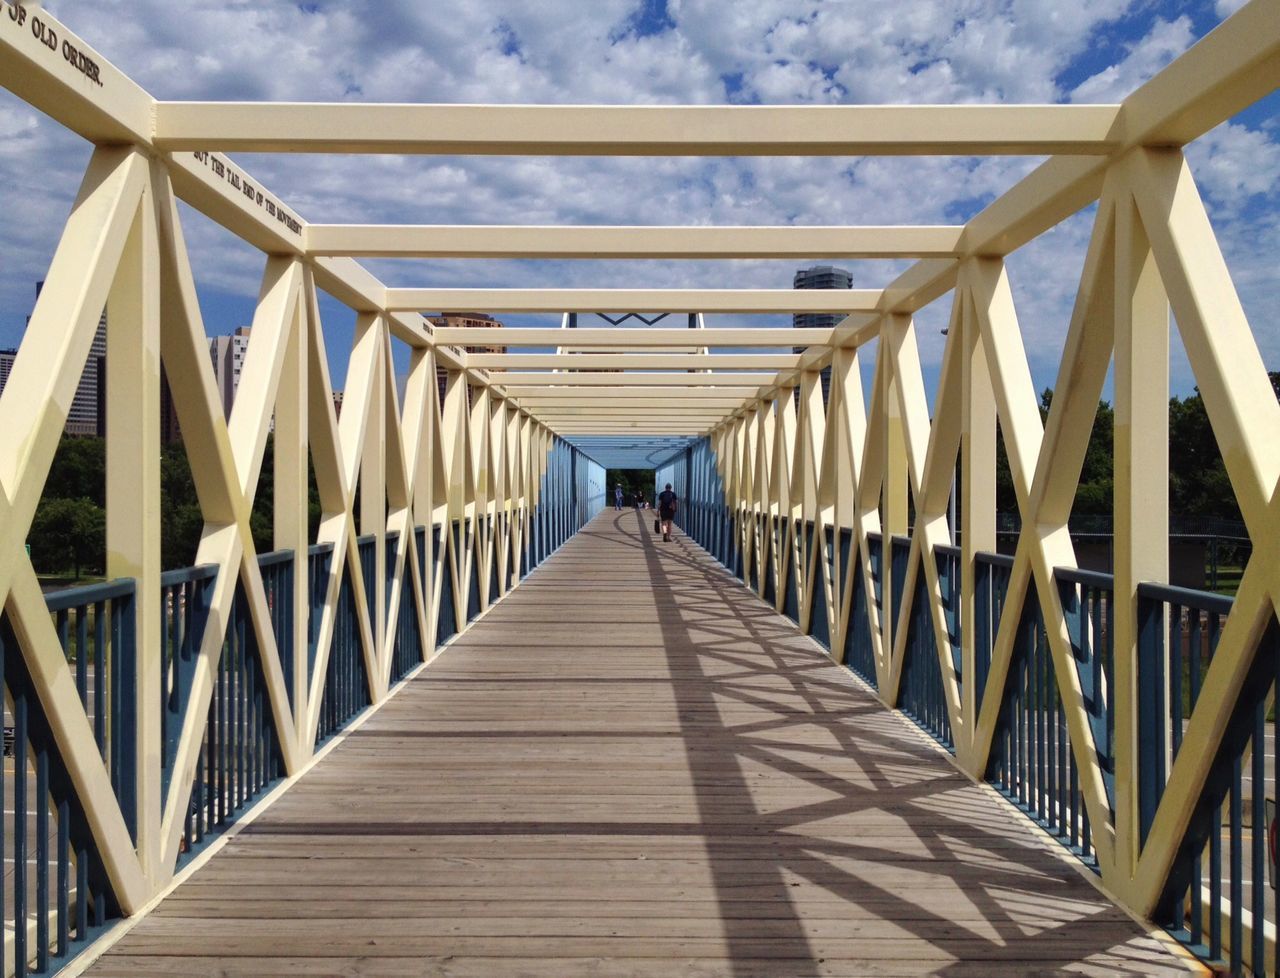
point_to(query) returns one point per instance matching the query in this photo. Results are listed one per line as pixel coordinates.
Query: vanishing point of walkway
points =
(632, 766)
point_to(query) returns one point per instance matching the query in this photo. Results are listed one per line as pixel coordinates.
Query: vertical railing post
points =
(893, 506)
(373, 502)
(978, 520)
(133, 505)
(290, 508)
(1141, 499)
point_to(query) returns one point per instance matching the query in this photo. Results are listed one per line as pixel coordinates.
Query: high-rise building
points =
(228, 353)
(88, 415)
(470, 320)
(170, 430)
(819, 277)
(6, 366)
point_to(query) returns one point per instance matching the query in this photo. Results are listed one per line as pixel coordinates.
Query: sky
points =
(646, 51)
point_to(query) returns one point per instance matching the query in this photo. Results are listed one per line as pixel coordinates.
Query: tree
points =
(69, 533)
(79, 470)
(1198, 480)
(632, 482)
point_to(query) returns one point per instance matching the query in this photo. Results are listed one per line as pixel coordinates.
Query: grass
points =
(65, 579)
(1228, 580)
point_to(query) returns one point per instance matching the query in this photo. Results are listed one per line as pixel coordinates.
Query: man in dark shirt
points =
(667, 505)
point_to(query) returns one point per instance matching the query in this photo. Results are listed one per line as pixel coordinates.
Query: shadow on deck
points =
(632, 766)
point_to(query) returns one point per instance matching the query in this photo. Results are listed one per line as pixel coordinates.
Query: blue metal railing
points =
(899, 554)
(240, 753)
(819, 625)
(1031, 760)
(319, 567)
(185, 596)
(367, 548)
(1088, 605)
(277, 582)
(795, 537)
(58, 897)
(406, 651)
(991, 591)
(447, 621)
(875, 552)
(471, 552)
(97, 628)
(922, 695)
(391, 542)
(493, 551)
(769, 533)
(346, 685)
(1179, 631)
(858, 653)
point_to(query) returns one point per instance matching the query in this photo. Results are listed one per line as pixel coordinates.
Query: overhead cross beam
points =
(637, 130)
(445, 241)
(530, 378)
(614, 338)
(841, 301)
(633, 361)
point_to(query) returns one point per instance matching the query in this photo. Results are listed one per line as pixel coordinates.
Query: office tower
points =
(87, 414)
(227, 354)
(819, 277)
(471, 320)
(6, 366)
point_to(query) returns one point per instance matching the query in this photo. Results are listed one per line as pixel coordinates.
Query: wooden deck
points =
(633, 767)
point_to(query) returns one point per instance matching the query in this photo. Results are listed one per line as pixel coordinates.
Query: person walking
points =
(668, 503)
(617, 497)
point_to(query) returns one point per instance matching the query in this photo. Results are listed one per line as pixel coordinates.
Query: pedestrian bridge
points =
(652, 774)
(469, 721)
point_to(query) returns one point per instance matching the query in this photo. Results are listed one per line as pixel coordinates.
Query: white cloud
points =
(1166, 40)
(557, 51)
(1233, 164)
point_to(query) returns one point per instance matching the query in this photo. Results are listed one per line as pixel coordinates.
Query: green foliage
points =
(69, 534)
(1198, 481)
(633, 481)
(181, 522)
(78, 476)
(79, 471)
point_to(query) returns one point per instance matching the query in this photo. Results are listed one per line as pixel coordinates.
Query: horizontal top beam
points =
(503, 241)
(840, 301)
(633, 361)
(636, 130)
(606, 338)
(611, 379)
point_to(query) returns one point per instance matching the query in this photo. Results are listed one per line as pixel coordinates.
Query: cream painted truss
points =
(469, 468)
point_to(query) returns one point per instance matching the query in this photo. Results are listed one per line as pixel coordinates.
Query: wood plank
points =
(632, 766)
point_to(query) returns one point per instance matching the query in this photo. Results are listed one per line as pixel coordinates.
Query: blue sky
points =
(624, 51)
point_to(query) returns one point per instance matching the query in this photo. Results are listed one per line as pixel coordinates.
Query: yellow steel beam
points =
(454, 241)
(634, 300)
(611, 338)
(636, 130)
(633, 361)
(607, 379)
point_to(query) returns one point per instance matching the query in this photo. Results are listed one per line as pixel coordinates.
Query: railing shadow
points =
(936, 861)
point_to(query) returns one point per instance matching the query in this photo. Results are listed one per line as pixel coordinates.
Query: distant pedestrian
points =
(640, 501)
(617, 497)
(668, 503)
